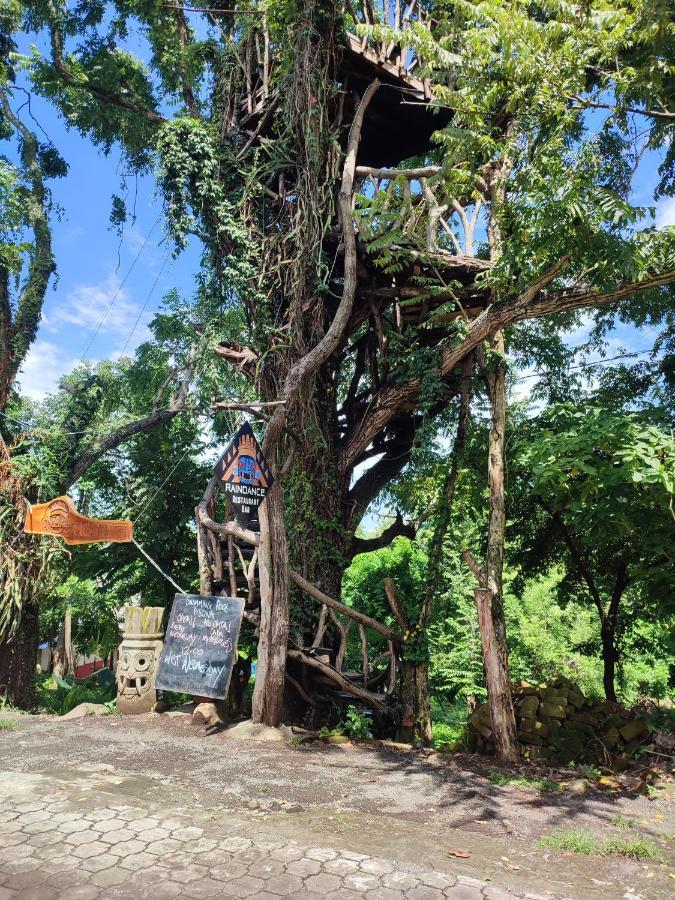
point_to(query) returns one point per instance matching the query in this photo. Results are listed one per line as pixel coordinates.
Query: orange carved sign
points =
(60, 518)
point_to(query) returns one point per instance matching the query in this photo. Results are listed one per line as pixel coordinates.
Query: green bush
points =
(58, 696)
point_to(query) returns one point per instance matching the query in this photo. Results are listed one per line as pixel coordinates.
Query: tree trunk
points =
(416, 712)
(492, 623)
(63, 663)
(18, 659)
(270, 679)
(609, 659)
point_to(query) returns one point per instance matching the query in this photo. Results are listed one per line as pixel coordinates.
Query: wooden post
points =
(498, 687)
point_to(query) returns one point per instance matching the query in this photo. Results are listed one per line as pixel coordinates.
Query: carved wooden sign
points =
(60, 518)
(244, 475)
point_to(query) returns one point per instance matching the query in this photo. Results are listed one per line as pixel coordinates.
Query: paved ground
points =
(116, 808)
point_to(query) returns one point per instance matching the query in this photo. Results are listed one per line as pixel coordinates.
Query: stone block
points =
(529, 706)
(557, 710)
(633, 730)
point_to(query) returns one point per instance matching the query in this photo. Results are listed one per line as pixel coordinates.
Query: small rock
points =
(86, 709)
(161, 706)
(272, 806)
(294, 808)
(252, 804)
(206, 714)
(578, 787)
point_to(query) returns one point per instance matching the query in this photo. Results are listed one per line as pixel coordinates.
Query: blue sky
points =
(97, 271)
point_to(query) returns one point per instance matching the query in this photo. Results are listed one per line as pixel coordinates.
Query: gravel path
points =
(147, 806)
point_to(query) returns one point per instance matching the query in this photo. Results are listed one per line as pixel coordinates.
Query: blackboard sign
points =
(244, 475)
(200, 645)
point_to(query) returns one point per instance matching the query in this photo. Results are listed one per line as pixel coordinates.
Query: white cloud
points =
(43, 368)
(89, 305)
(665, 213)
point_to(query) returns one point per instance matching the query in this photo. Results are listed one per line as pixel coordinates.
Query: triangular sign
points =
(244, 475)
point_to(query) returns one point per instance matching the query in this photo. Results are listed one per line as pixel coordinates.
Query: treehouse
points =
(416, 274)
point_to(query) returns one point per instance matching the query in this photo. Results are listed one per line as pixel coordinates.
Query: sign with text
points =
(200, 645)
(244, 475)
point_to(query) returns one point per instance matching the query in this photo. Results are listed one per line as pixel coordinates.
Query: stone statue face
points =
(136, 672)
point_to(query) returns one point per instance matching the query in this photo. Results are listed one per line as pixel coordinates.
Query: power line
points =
(117, 293)
(147, 300)
(593, 365)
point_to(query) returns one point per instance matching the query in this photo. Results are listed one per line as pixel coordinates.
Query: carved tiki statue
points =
(139, 659)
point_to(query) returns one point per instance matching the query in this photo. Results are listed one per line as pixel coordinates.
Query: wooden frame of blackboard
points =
(189, 689)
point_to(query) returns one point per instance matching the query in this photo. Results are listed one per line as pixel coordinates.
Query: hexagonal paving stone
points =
(204, 887)
(361, 881)
(423, 892)
(133, 815)
(233, 844)
(163, 847)
(98, 863)
(142, 824)
(28, 818)
(265, 869)
(121, 834)
(126, 848)
(383, 893)
(30, 806)
(81, 892)
(322, 884)
(26, 864)
(82, 837)
(244, 886)
(376, 866)
(63, 880)
(284, 885)
(438, 880)
(349, 854)
(42, 839)
(60, 863)
(41, 827)
(88, 851)
(201, 845)
(227, 871)
(154, 834)
(19, 851)
(400, 881)
(109, 877)
(463, 892)
(32, 879)
(344, 894)
(71, 826)
(322, 854)
(137, 861)
(100, 815)
(304, 867)
(30, 893)
(340, 866)
(110, 824)
(191, 873)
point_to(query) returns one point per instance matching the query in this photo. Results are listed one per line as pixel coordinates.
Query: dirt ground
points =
(383, 801)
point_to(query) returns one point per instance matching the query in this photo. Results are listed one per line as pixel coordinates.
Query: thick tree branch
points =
(112, 99)
(398, 528)
(391, 397)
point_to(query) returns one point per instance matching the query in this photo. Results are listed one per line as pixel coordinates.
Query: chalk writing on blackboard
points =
(200, 645)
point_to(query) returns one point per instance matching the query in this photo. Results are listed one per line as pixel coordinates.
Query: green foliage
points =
(580, 840)
(59, 696)
(357, 725)
(543, 785)
(7, 724)
(363, 588)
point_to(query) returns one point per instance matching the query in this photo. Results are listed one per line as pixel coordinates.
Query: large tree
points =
(294, 140)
